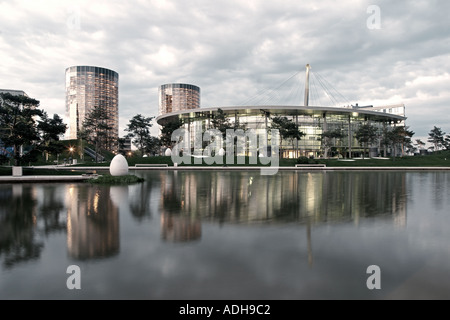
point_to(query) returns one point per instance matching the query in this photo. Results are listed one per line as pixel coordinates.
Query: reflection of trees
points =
(17, 220)
(139, 206)
(439, 192)
(23, 219)
(50, 209)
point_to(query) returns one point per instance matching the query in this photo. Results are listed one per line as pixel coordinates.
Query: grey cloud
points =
(232, 49)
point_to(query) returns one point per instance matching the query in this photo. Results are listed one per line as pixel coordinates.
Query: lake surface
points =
(230, 235)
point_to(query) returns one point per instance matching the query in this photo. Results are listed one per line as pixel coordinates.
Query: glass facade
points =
(87, 87)
(178, 96)
(312, 121)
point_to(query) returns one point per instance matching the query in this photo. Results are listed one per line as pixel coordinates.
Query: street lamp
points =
(71, 150)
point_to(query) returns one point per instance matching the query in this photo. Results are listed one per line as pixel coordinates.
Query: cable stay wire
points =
(314, 95)
(289, 92)
(293, 96)
(263, 97)
(326, 90)
(337, 97)
(275, 95)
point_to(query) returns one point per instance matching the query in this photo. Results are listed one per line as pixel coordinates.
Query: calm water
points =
(229, 235)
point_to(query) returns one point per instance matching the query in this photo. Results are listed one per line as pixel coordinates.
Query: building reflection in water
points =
(92, 223)
(308, 198)
(179, 228)
(90, 214)
(313, 197)
(179, 221)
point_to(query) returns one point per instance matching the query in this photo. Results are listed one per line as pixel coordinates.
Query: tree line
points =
(26, 131)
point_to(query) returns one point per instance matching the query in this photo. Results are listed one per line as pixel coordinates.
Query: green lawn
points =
(440, 159)
(435, 160)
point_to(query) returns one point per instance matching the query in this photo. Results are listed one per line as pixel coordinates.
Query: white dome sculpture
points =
(168, 152)
(118, 166)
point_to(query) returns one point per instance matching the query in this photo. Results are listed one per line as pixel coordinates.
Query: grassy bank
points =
(440, 159)
(435, 160)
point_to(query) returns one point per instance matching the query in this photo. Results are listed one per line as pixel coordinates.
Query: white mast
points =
(308, 67)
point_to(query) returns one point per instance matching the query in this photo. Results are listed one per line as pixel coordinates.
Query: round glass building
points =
(312, 121)
(182, 102)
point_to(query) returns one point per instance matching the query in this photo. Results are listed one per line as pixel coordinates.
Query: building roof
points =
(281, 110)
(14, 92)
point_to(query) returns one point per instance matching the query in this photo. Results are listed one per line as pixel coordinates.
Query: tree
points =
(96, 129)
(436, 136)
(385, 140)
(287, 129)
(293, 133)
(221, 122)
(366, 134)
(399, 137)
(152, 144)
(329, 139)
(139, 131)
(50, 130)
(122, 143)
(447, 142)
(167, 131)
(420, 144)
(18, 130)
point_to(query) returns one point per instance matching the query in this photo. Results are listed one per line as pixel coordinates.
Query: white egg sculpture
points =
(118, 166)
(168, 152)
(221, 152)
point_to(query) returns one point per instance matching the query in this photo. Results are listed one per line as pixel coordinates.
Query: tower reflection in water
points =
(92, 223)
(179, 221)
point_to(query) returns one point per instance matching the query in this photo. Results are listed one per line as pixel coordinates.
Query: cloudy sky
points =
(238, 52)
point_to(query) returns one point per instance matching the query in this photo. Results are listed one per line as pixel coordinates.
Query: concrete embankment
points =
(99, 170)
(28, 179)
(95, 171)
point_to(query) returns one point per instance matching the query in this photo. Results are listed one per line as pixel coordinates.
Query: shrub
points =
(305, 160)
(107, 179)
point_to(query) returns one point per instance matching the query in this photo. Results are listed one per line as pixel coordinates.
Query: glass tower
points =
(178, 96)
(86, 88)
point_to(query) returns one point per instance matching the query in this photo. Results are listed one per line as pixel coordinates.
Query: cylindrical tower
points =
(88, 87)
(178, 96)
